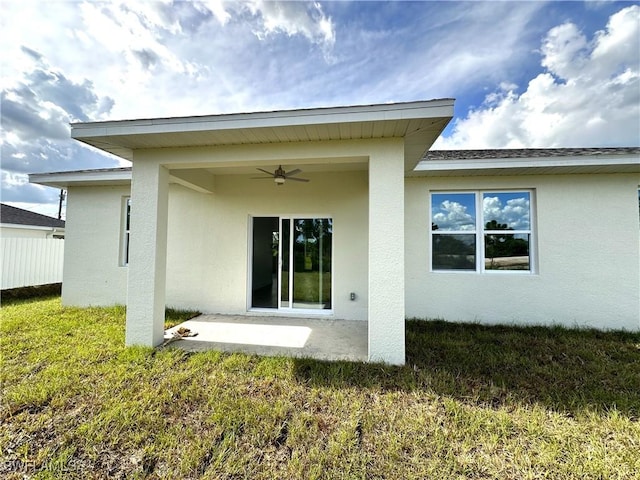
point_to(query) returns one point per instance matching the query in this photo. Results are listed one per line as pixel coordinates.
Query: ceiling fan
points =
(279, 175)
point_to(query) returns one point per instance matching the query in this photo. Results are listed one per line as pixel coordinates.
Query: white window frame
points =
(125, 231)
(480, 232)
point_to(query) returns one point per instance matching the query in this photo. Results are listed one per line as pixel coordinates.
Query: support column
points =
(147, 254)
(386, 254)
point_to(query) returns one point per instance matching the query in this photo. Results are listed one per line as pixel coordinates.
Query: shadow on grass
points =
(12, 296)
(567, 370)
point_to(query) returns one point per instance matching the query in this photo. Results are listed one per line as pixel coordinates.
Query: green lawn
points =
(472, 402)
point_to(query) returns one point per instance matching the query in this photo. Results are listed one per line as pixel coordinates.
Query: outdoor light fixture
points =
(280, 175)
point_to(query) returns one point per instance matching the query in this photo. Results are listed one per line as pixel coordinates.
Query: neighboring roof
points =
(530, 161)
(17, 216)
(419, 123)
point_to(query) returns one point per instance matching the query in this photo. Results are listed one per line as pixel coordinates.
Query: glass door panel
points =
(285, 247)
(312, 243)
(264, 274)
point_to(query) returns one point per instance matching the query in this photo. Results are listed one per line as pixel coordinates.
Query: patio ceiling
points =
(419, 123)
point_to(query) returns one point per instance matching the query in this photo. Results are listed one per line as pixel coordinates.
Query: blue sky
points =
(524, 74)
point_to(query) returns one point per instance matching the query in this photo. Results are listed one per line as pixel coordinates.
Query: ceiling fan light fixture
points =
(280, 175)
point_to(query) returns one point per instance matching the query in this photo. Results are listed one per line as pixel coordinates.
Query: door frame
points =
(286, 311)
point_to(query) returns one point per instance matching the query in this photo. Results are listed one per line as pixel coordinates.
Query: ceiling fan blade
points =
(293, 172)
(261, 178)
(265, 171)
(298, 179)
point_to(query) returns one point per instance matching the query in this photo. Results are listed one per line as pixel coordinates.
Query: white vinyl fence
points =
(31, 261)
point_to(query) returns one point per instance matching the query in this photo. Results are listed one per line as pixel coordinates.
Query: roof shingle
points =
(18, 216)
(527, 153)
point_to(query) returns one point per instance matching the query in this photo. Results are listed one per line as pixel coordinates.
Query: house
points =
(215, 214)
(31, 248)
(17, 222)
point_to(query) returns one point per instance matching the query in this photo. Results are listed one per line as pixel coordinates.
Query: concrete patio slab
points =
(323, 339)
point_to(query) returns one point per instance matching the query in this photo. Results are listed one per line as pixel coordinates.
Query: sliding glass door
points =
(298, 275)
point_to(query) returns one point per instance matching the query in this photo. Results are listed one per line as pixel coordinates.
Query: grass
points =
(472, 402)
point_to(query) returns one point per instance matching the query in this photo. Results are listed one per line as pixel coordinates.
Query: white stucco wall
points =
(208, 242)
(92, 273)
(208, 238)
(587, 245)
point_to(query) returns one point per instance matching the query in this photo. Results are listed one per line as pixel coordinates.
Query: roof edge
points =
(611, 159)
(31, 227)
(101, 176)
(270, 114)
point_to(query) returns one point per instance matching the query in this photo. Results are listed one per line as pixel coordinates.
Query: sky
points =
(523, 74)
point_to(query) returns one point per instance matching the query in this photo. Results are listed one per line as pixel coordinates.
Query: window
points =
(481, 231)
(126, 228)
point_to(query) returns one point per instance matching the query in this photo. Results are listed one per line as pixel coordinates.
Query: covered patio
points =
(321, 339)
(203, 233)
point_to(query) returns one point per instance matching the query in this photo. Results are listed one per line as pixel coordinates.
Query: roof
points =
(527, 153)
(529, 161)
(418, 123)
(18, 216)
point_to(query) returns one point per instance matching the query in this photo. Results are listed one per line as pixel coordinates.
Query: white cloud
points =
(135, 30)
(37, 107)
(42, 101)
(589, 95)
(451, 215)
(276, 17)
(293, 18)
(17, 189)
(216, 7)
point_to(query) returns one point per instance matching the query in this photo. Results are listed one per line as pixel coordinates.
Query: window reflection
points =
(506, 211)
(454, 252)
(453, 212)
(312, 263)
(495, 235)
(506, 252)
